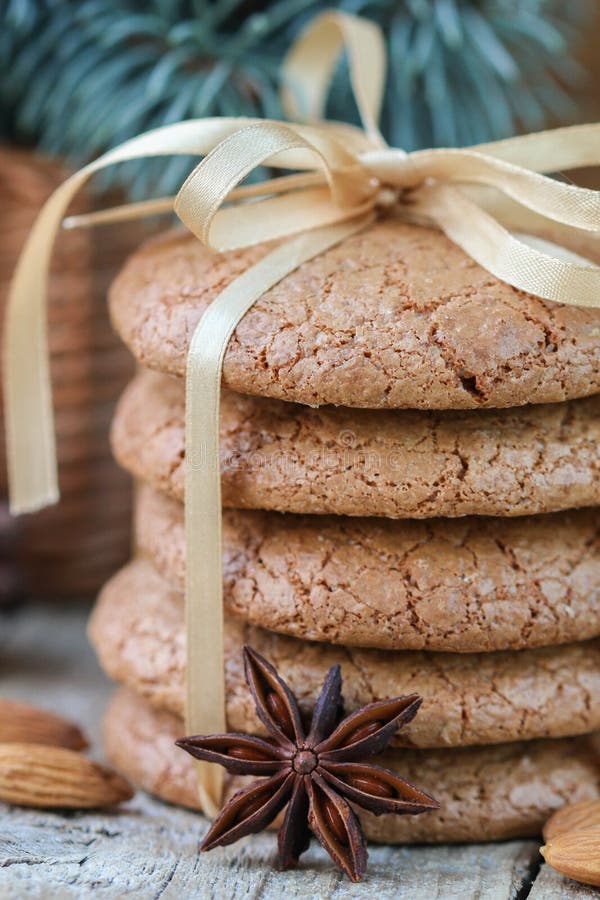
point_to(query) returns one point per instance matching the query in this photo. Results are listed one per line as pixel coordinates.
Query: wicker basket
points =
(70, 549)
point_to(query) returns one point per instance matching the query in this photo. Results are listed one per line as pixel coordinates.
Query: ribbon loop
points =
(308, 69)
(199, 202)
(571, 147)
(564, 203)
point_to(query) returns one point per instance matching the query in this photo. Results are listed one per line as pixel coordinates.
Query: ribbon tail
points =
(30, 441)
(31, 450)
(551, 275)
(205, 708)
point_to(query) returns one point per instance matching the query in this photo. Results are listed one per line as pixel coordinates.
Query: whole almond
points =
(576, 854)
(54, 777)
(28, 725)
(574, 817)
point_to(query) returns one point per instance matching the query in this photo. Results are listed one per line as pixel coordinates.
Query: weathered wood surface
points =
(148, 850)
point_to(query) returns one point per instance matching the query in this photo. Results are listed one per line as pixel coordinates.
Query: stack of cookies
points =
(410, 474)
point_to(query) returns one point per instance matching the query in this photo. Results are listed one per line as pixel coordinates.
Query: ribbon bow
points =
(342, 177)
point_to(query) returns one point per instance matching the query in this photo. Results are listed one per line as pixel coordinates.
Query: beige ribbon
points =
(341, 177)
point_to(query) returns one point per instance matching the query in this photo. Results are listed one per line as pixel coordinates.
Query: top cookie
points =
(396, 316)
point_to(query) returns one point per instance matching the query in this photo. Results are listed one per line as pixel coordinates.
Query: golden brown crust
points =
(137, 630)
(397, 316)
(486, 793)
(398, 464)
(468, 584)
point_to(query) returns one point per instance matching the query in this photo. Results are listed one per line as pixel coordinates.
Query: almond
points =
(50, 777)
(28, 725)
(574, 817)
(576, 854)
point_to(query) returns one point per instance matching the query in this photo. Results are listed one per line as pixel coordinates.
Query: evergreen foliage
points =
(78, 76)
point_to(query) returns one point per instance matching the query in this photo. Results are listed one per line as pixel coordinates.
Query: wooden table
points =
(148, 849)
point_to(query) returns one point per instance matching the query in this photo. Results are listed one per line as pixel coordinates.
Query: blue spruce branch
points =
(79, 76)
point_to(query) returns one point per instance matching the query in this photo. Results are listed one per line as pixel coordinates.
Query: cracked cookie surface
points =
(396, 316)
(470, 584)
(486, 793)
(137, 630)
(393, 463)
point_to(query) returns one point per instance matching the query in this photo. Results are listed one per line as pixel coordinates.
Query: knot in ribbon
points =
(340, 178)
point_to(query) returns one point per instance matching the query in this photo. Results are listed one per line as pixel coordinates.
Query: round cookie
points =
(137, 629)
(486, 793)
(398, 464)
(396, 316)
(469, 584)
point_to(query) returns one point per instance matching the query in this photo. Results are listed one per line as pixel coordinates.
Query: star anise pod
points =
(318, 773)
